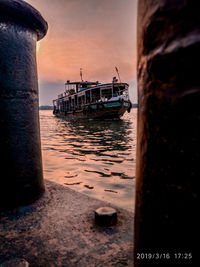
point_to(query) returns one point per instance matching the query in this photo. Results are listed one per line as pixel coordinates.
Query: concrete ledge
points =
(59, 230)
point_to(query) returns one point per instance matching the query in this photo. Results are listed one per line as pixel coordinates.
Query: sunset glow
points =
(93, 35)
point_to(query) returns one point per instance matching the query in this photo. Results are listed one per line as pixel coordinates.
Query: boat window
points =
(79, 102)
(119, 90)
(67, 104)
(87, 94)
(106, 94)
(95, 94)
(76, 101)
(69, 87)
(83, 99)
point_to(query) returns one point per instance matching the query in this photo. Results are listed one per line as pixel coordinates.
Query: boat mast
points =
(81, 74)
(118, 74)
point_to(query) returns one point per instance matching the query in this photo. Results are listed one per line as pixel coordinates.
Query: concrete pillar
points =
(168, 142)
(21, 179)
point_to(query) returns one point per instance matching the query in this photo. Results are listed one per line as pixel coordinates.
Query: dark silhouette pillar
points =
(21, 179)
(168, 144)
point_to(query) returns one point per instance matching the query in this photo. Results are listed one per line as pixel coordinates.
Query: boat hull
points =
(106, 110)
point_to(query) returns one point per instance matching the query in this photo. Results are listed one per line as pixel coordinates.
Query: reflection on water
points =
(93, 157)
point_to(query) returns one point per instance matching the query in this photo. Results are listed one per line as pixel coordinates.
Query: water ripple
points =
(97, 155)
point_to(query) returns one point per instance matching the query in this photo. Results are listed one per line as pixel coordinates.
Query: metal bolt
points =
(105, 216)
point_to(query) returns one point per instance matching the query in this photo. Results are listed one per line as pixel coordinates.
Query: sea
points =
(93, 157)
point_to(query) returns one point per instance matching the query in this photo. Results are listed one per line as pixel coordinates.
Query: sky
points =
(95, 35)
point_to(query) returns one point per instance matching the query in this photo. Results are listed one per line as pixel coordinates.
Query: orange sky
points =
(95, 35)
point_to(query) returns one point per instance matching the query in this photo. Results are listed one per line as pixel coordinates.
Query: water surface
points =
(93, 157)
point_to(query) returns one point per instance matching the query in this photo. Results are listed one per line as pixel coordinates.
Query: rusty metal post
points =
(21, 181)
(168, 144)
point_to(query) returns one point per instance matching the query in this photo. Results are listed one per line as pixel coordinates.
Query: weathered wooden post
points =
(21, 26)
(168, 147)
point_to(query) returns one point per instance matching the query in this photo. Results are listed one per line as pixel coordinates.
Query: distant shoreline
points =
(46, 107)
(134, 105)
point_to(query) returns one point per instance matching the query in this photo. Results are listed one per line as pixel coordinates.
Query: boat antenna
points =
(118, 74)
(81, 74)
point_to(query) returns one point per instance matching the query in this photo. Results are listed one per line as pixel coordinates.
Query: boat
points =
(93, 100)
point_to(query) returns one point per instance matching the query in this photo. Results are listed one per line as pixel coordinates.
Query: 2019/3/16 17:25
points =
(159, 256)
